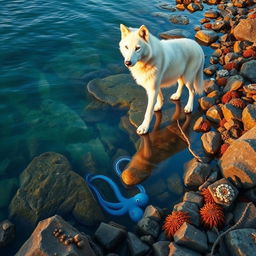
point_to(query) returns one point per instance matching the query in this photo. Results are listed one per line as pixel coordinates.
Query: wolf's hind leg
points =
(159, 101)
(177, 94)
(189, 107)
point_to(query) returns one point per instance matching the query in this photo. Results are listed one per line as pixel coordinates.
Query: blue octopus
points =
(133, 206)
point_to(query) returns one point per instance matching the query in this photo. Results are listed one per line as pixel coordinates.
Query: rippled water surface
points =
(49, 51)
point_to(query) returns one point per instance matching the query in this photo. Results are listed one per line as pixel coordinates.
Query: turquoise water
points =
(49, 51)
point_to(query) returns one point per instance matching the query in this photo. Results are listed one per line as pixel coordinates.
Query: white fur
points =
(161, 63)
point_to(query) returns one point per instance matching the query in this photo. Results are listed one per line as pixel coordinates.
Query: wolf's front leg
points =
(152, 95)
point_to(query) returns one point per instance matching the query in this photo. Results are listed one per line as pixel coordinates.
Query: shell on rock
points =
(224, 192)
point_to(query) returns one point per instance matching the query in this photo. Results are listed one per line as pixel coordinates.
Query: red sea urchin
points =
(174, 221)
(205, 126)
(207, 196)
(228, 96)
(212, 215)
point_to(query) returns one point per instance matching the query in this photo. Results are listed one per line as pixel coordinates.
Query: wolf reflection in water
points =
(155, 147)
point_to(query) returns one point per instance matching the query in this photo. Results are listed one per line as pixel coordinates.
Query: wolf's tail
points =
(199, 78)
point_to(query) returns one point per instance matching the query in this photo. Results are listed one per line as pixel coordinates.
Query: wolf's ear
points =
(124, 31)
(144, 33)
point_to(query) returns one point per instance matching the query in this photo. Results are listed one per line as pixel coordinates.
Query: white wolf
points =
(158, 63)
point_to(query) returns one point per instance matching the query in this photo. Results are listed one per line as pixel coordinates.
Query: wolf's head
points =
(134, 44)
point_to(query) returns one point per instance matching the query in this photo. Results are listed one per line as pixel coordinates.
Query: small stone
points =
(249, 220)
(152, 212)
(161, 248)
(191, 237)
(109, 236)
(218, 25)
(211, 142)
(176, 250)
(175, 33)
(248, 70)
(249, 116)
(241, 242)
(214, 114)
(250, 89)
(231, 112)
(192, 7)
(193, 197)
(210, 86)
(206, 102)
(136, 246)
(196, 173)
(223, 192)
(207, 36)
(148, 239)
(180, 7)
(211, 14)
(179, 19)
(210, 70)
(234, 83)
(148, 226)
(7, 233)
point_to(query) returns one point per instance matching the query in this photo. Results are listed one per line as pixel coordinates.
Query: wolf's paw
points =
(175, 96)
(188, 108)
(142, 129)
(158, 106)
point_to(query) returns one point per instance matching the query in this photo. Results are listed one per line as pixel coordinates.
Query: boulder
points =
(246, 30)
(49, 186)
(7, 233)
(161, 248)
(136, 246)
(191, 237)
(44, 242)
(248, 70)
(148, 226)
(211, 142)
(238, 161)
(176, 250)
(109, 236)
(249, 116)
(152, 212)
(193, 197)
(207, 36)
(196, 173)
(241, 242)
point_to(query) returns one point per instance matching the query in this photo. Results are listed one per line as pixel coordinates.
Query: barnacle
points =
(212, 215)
(224, 192)
(174, 221)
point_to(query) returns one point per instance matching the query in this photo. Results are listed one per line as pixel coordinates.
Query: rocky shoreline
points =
(221, 189)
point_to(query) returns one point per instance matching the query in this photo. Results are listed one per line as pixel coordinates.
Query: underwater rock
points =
(109, 236)
(175, 33)
(44, 242)
(176, 250)
(193, 197)
(49, 186)
(136, 246)
(122, 91)
(148, 226)
(161, 248)
(241, 242)
(191, 237)
(7, 233)
(7, 190)
(238, 161)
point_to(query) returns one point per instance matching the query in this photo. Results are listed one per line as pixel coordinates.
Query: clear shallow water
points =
(49, 50)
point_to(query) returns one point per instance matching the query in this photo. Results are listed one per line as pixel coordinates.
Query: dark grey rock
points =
(234, 83)
(230, 112)
(207, 36)
(161, 248)
(241, 242)
(192, 210)
(175, 33)
(196, 173)
(210, 86)
(148, 239)
(109, 236)
(176, 250)
(179, 19)
(211, 142)
(251, 194)
(206, 102)
(7, 233)
(193, 197)
(248, 70)
(249, 116)
(211, 236)
(233, 164)
(210, 70)
(226, 186)
(191, 237)
(249, 220)
(148, 226)
(152, 212)
(136, 246)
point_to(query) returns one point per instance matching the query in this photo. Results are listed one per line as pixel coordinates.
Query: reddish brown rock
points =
(238, 162)
(249, 116)
(207, 36)
(246, 30)
(230, 112)
(42, 241)
(211, 142)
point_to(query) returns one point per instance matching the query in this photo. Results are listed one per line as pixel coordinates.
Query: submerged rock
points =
(49, 186)
(175, 33)
(136, 246)
(43, 242)
(238, 161)
(176, 250)
(7, 233)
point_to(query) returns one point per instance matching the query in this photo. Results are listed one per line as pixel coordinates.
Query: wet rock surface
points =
(53, 188)
(7, 233)
(136, 246)
(207, 36)
(211, 142)
(176, 250)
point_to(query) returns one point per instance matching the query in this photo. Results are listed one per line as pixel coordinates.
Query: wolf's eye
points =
(126, 47)
(137, 48)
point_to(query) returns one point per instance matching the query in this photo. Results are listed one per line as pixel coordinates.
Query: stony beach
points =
(217, 213)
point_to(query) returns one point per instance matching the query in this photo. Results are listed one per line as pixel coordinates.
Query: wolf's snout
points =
(128, 63)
